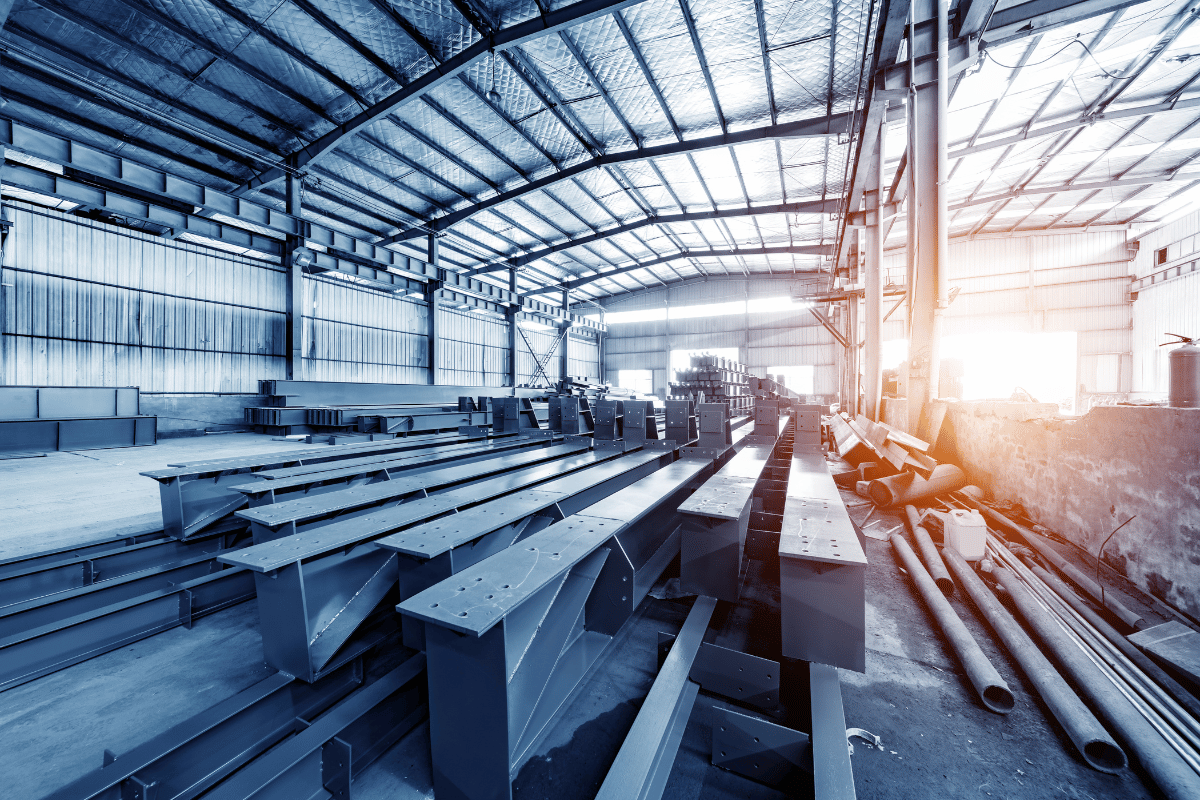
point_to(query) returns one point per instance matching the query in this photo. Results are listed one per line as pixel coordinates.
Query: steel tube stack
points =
(1162, 762)
(1089, 737)
(991, 688)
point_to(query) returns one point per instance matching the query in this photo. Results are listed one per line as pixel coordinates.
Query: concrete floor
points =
(938, 740)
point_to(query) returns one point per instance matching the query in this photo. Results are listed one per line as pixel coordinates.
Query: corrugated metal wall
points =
(90, 304)
(358, 334)
(1172, 306)
(763, 340)
(93, 304)
(474, 348)
(1044, 283)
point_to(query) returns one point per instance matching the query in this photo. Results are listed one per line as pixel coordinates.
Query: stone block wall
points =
(1081, 478)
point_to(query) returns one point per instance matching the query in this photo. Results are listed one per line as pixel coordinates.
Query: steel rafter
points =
(704, 70)
(501, 40)
(283, 45)
(196, 39)
(15, 28)
(819, 127)
(631, 42)
(595, 81)
(761, 25)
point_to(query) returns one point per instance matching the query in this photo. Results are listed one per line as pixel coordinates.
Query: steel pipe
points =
(929, 552)
(1186, 700)
(992, 690)
(1163, 764)
(1130, 618)
(1085, 732)
(908, 487)
(1149, 701)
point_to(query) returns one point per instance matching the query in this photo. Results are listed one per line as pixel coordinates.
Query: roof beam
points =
(809, 207)
(704, 70)
(1038, 16)
(811, 250)
(198, 41)
(500, 41)
(820, 126)
(761, 25)
(151, 57)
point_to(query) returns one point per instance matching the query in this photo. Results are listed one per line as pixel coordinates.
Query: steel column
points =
(873, 307)
(565, 352)
(512, 330)
(432, 293)
(295, 285)
(929, 117)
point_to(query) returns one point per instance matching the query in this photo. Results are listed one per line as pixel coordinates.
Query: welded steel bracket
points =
(731, 673)
(759, 749)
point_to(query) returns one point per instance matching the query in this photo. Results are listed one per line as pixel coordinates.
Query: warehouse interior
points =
(599, 399)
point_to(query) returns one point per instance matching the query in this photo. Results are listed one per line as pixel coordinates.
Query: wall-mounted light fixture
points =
(302, 257)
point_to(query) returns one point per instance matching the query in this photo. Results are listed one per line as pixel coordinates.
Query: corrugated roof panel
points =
(615, 65)
(729, 35)
(662, 36)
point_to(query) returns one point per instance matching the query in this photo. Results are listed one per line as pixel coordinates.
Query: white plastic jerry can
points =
(966, 532)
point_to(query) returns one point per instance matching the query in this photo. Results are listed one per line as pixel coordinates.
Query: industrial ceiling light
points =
(303, 258)
(492, 95)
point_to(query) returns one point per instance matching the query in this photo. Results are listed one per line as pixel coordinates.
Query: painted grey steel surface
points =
(322, 759)
(49, 648)
(191, 757)
(317, 590)
(740, 676)
(278, 485)
(509, 637)
(335, 393)
(822, 571)
(93, 433)
(67, 402)
(291, 516)
(195, 496)
(94, 569)
(716, 518)
(49, 558)
(762, 750)
(833, 776)
(640, 770)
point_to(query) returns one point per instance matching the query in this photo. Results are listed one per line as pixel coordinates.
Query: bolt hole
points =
(435, 605)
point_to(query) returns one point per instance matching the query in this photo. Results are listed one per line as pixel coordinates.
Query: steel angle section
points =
(191, 757)
(322, 759)
(642, 764)
(759, 749)
(40, 579)
(52, 647)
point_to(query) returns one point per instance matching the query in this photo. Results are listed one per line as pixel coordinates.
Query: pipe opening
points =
(946, 585)
(999, 699)
(1105, 756)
